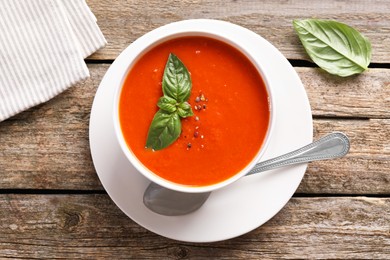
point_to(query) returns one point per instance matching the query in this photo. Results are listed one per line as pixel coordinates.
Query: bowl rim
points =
(193, 27)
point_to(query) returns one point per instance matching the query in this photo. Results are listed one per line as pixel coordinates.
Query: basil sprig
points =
(176, 86)
(335, 47)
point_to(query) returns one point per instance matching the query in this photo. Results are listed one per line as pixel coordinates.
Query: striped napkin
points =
(43, 44)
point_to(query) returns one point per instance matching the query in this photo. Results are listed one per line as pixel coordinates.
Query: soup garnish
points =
(176, 86)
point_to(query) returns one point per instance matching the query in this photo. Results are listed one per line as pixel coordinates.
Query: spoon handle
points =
(330, 146)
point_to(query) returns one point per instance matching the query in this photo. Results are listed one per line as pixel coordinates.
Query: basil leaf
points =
(167, 104)
(184, 110)
(335, 47)
(164, 130)
(169, 100)
(166, 125)
(176, 80)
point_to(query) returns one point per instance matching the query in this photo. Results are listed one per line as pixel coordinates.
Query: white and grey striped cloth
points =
(43, 44)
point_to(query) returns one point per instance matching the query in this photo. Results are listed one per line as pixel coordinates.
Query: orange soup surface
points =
(230, 105)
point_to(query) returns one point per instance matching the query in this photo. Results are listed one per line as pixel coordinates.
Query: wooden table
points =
(52, 204)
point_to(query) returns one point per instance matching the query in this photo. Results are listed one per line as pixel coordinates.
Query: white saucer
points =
(229, 212)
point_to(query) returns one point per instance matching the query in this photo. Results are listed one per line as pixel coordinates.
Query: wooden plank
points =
(366, 95)
(91, 226)
(122, 22)
(365, 169)
(47, 147)
(47, 158)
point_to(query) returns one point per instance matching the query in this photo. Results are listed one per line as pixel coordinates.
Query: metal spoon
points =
(173, 203)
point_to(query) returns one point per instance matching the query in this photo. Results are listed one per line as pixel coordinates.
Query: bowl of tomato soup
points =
(230, 100)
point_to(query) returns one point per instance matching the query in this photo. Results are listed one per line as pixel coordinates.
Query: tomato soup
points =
(230, 105)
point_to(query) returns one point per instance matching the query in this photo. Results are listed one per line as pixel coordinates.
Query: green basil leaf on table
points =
(164, 130)
(166, 124)
(335, 47)
(176, 80)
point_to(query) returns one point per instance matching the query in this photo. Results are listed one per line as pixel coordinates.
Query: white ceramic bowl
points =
(196, 27)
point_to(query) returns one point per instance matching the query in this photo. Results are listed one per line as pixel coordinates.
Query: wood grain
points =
(341, 209)
(122, 22)
(91, 226)
(47, 147)
(365, 169)
(366, 95)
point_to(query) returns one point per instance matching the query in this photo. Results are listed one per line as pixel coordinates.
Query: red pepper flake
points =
(196, 134)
